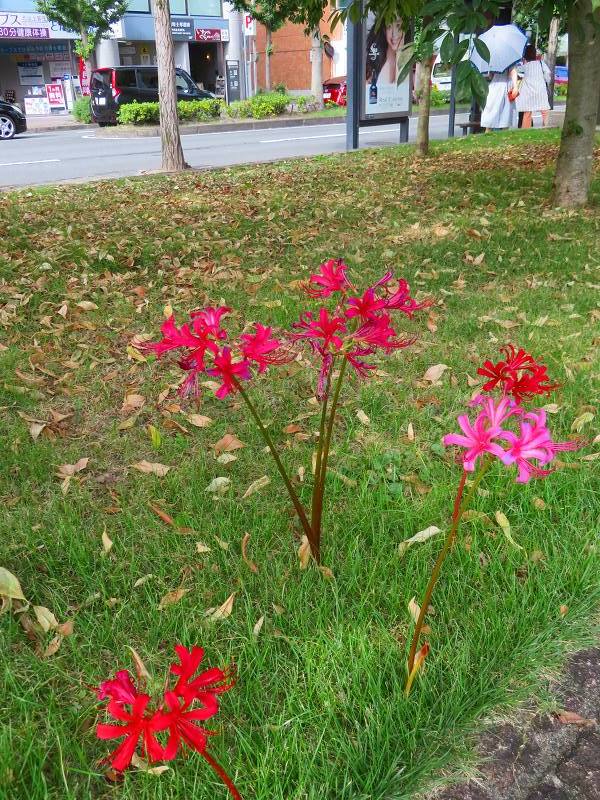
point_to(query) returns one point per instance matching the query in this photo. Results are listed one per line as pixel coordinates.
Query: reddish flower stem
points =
(314, 543)
(319, 461)
(223, 775)
(326, 446)
(457, 512)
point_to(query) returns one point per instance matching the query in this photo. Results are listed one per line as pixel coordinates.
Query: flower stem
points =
(459, 508)
(326, 446)
(282, 471)
(223, 775)
(319, 461)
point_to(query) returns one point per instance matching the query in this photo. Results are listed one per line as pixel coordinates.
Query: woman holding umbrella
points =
(505, 45)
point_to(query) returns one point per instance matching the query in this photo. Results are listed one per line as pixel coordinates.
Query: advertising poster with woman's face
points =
(383, 45)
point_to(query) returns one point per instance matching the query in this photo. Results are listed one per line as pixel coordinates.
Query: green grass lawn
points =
(319, 710)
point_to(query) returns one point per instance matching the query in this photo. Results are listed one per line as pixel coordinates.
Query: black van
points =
(111, 87)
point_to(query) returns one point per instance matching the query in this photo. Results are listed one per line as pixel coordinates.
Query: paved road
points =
(35, 159)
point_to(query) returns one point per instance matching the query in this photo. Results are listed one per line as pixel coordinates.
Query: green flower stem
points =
(459, 508)
(326, 446)
(282, 471)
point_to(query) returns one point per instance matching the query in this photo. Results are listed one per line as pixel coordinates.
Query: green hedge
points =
(187, 111)
(260, 106)
(82, 110)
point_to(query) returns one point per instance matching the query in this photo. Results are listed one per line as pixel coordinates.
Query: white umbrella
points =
(506, 44)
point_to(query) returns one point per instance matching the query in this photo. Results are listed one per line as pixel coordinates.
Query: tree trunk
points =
(89, 58)
(268, 49)
(316, 55)
(172, 153)
(576, 156)
(551, 55)
(424, 106)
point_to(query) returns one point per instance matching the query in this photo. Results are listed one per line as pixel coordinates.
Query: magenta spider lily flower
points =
(477, 439)
(400, 300)
(331, 278)
(355, 359)
(378, 332)
(230, 372)
(174, 338)
(263, 349)
(208, 320)
(324, 328)
(121, 688)
(366, 306)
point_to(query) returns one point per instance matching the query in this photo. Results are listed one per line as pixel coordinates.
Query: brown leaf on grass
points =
(250, 564)
(363, 417)
(258, 626)
(151, 468)
(573, 718)
(202, 548)
(132, 402)
(471, 514)
(504, 524)
(563, 610)
(226, 458)
(171, 597)
(144, 766)
(140, 668)
(539, 503)
(68, 470)
(53, 647)
(421, 536)
(434, 373)
(162, 515)
(260, 483)
(45, 618)
(107, 542)
(218, 485)
(414, 608)
(304, 552)
(199, 420)
(66, 628)
(410, 432)
(86, 305)
(223, 611)
(10, 586)
(326, 572)
(228, 443)
(292, 428)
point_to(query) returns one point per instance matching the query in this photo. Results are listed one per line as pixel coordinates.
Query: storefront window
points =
(205, 8)
(139, 5)
(177, 7)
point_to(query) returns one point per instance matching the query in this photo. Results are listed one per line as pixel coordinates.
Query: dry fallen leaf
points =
(258, 625)
(199, 421)
(132, 402)
(68, 470)
(539, 503)
(144, 766)
(140, 668)
(218, 485)
(434, 373)
(304, 552)
(251, 565)
(86, 305)
(202, 548)
(226, 458)
(421, 536)
(152, 468)
(410, 432)
(414, 608)
(504, 524)
(260, 483)
(144, 579)
(107, 542)
(53, 646)
(363, 417)
(582, 420)
(223, 611)
(573, 718)
(228, 443)
(46, 619)
(172, 597)
(10, 586)
(563, 610)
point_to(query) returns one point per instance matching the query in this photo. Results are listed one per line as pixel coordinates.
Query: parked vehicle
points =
(12, 120)
(112, 87)
(334, 91)
(441, 75)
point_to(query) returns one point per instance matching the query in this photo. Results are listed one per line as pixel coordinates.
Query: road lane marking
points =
(21, 163)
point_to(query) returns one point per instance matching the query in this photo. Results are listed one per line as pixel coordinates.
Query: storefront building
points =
(34, 53)
(200, 33)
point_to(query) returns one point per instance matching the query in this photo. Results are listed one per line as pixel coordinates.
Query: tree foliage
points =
(273, 14)
(90, 19)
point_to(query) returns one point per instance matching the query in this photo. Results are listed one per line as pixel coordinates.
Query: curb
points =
(208, 127)
(76, 127)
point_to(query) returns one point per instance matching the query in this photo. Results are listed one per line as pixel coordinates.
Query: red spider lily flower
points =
(400, 300)
(264, 350)
(211, 682)
(137, 726)
(378, 332)
(477, 439)
(229, 372)
(355, 360)
(518, 374)
(121, 688)
(208, 320)
(181, 721)
(174, 338)
(366, 306)
(322, 328)
(331, 278)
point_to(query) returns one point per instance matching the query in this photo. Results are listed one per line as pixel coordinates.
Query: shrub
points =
(239, 109)
(82, 110)
(438, 97)
(280, 88)
(268, 105)
(187, 111)
(561, 90)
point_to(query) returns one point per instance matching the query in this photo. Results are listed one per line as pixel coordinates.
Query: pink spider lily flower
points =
(173, 339)
(208, 320)
(330, 278)
(121, 688)
(355, 359)
(366, 306)
(263, 349)
(229, 372)
(324, 328)
(378, 332)
(534, 441)
(137, 726)
(212, 681)
(400, 300)
(477, 439)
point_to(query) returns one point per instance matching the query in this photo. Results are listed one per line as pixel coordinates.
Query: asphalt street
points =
(43, 158)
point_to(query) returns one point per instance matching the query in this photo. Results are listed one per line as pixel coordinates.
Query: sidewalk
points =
(53, 122)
